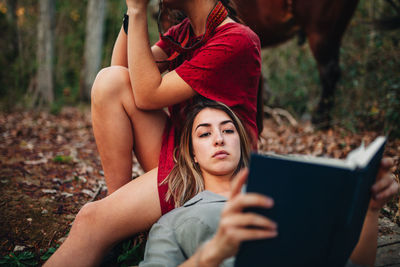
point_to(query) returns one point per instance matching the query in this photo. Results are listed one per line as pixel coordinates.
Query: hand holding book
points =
(385, 186)
(333, 197)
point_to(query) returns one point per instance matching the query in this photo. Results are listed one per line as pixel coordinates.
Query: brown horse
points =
(323, 22)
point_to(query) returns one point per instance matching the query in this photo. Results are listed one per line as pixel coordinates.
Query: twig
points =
(277, 112)
(98, 190)
(51, 239)
(389, 244)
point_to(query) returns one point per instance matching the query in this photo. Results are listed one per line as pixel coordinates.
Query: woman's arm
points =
(120, 56)
(383, 190)
(150, 89)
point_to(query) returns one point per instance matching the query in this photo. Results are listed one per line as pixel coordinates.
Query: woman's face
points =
(216, 143)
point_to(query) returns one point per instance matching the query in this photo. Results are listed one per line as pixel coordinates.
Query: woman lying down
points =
(206, 182)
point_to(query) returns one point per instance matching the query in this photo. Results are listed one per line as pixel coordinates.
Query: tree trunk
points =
(45, 52)
(93, 46)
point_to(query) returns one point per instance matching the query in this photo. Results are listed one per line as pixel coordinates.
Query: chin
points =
(173, 4)
(224, 170)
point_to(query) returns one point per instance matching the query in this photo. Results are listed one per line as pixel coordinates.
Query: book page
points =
(361, 156)
(358, 158)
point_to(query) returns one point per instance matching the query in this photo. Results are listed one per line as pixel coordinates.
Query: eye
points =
(228, 131)
(204, 134)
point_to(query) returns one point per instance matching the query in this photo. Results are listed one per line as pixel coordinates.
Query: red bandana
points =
(215, 18)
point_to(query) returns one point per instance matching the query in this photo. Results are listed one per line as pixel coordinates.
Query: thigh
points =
(131, 209)
(147, 127)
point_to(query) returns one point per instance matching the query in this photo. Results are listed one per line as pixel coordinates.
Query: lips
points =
(220, 154)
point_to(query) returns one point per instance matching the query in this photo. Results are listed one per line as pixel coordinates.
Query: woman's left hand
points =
(385, 187)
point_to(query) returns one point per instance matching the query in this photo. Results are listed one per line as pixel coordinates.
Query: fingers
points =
(248, 200)
(381, 184)
(249, 220)
(239, 227)
(238, 182)
(391, 190)
(253, 234)
(386, 164)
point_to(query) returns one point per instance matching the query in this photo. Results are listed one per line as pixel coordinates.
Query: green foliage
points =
(62, 159)
(25, 258)
(69, 45)
(18, 47)
(131, 254)
(285, 68)
(48, 253)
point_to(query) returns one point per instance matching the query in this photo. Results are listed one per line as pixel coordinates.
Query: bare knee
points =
(85, 220)
(110, 84)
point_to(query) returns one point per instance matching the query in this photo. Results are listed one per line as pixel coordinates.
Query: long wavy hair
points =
(186, 180)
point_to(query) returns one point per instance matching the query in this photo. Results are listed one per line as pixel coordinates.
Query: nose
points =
(219, 139)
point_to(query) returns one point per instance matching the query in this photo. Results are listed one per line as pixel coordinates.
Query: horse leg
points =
(326, 53)
(325, 30)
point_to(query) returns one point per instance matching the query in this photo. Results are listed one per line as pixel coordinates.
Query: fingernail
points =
(269, 201)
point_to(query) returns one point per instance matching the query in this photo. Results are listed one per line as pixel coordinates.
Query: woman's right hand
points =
(237, 226)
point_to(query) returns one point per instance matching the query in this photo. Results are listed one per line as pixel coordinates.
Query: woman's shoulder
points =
(192, 211)
(234, 32)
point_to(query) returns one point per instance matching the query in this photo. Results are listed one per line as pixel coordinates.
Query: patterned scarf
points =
(215, 18)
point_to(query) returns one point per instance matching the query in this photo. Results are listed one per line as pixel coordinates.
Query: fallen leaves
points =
(49, 169)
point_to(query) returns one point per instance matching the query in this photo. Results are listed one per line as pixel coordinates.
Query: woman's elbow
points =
(146, 103)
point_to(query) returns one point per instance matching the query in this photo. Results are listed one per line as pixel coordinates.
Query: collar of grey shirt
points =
(205, 197)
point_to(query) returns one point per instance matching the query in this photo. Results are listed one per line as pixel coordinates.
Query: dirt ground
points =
(50, 167)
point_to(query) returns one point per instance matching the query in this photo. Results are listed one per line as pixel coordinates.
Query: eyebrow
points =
(208, 124)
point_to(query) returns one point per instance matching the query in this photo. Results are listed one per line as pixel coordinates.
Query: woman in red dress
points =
(221, 61)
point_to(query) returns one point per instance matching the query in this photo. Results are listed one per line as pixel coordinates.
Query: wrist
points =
(209, 255)
(136, 10)
(373, 213)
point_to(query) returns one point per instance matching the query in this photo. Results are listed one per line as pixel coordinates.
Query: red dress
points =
(226, 68)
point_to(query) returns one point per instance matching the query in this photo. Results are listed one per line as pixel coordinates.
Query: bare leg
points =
(120, 127)
(100, 225)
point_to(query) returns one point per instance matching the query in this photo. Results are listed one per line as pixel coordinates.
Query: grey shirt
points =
(178, 234)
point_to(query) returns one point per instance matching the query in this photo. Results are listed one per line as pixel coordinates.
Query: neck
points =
(218, 184)
(197, 12)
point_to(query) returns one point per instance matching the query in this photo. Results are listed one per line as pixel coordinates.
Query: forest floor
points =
(50, 167)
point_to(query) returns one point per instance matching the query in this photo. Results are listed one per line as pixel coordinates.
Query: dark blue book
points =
(320, 206)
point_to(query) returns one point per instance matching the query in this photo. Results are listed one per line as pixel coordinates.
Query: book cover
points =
(320, 206)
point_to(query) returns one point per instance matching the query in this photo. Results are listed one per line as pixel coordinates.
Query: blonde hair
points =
(185, 179)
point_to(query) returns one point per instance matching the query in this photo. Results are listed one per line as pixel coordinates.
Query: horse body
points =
(273, 21)
(322, 21)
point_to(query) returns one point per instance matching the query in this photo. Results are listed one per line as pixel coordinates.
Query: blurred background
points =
(367, 98)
